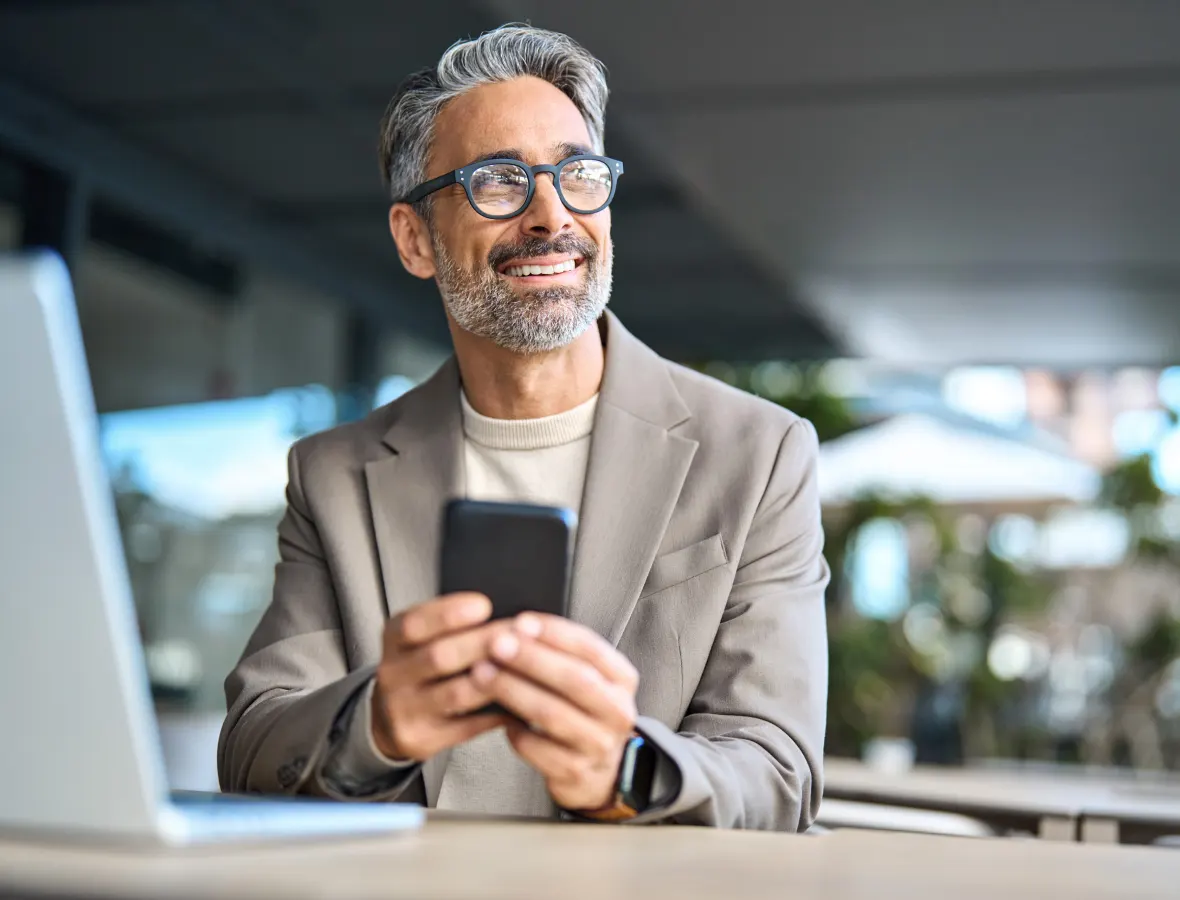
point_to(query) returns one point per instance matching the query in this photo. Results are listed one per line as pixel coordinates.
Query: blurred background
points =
(946, 232)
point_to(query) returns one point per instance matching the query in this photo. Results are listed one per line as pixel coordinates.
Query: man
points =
(696, 642)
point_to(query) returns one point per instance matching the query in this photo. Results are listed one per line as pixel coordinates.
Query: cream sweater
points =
(520, 460)
(526, 460)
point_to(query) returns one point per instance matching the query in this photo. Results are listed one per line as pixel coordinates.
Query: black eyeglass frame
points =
(463, 177)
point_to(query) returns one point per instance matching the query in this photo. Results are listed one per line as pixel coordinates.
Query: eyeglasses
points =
(503, 188)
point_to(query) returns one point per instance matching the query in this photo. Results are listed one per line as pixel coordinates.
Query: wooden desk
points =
(521, 861)
(1054, 806)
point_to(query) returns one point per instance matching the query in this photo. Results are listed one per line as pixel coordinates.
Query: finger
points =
(448, 655)
(444, 615)
(454, 697)
(452, 732)
(546, 712)
(582, 642)
(553, 760)
(571, 678)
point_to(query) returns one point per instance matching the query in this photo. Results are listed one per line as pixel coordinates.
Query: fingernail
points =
(505, 646)
(477, 608)
(528, 625)
(483, 673)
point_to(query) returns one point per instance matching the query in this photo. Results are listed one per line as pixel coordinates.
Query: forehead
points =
(527, 114)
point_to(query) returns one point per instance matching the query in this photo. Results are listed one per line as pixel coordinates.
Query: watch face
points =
(637, 773)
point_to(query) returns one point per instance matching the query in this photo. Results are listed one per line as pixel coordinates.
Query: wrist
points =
(381, 730)
(612, 809)
(630, 792)
(602, 799)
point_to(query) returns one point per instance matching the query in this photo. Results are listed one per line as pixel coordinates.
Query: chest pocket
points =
(681, 565)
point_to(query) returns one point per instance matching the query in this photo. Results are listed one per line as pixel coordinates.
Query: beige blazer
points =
(698, 555)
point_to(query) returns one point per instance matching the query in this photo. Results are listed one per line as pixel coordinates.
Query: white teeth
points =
(521, 271)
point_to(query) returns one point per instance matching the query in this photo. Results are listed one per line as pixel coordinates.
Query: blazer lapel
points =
(636, 469)
(407, 492)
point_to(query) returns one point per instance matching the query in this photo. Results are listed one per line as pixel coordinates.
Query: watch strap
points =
(616, 812)
(623, 806)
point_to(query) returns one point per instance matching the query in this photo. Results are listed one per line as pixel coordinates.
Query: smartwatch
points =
(633, 785)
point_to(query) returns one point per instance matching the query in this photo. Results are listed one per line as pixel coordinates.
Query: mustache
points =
(533, 247)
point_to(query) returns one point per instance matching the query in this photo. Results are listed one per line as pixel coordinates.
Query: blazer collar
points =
(634, 475)
(430, 409)
(635, 380)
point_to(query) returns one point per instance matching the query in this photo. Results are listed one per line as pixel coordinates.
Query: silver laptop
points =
(79, 744)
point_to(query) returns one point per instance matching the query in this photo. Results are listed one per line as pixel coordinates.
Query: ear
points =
(412, 237)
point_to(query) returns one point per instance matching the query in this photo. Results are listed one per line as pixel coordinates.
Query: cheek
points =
(466, 236)
(465, 254)
(599, 230)
(606, 252)
(480, 240)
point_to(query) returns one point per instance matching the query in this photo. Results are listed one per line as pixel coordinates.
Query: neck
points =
(501, 384)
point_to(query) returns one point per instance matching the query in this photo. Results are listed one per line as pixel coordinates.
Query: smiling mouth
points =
(540, 269)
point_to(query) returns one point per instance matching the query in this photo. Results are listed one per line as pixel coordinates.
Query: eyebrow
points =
(561, 151)
(506, 153)
(566, 150)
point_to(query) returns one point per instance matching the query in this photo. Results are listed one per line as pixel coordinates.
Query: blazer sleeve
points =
(290, 695)
(749, 752)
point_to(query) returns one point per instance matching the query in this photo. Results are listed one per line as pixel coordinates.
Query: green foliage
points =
(1156, 549)
(874, 669)
(871, 666)
(985, 692)
(1159, 644)
(1131, 485)
(867, 663)
(805, 394)
(829, 414)
(838, 536)
(1011, 589)
(1131, 488)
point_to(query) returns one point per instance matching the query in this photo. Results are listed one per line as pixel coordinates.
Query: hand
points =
(577, 692)
(423, 686)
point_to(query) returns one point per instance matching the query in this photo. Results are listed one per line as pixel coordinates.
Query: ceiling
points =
(926, 182)
(937, 180)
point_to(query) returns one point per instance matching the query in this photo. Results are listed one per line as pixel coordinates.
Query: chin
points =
(551, 296)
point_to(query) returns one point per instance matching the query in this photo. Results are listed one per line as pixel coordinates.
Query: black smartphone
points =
(517, 554)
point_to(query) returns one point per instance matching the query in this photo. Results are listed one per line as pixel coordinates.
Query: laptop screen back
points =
(78, 744)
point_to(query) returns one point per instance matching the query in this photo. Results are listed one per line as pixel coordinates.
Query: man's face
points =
(477, 260)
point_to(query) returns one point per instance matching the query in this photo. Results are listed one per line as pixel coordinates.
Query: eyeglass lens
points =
(501, 189)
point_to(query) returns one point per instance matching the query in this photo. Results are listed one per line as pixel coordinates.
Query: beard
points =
(529, 320)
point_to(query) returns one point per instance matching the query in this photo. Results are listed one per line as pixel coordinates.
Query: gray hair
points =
(508, 52)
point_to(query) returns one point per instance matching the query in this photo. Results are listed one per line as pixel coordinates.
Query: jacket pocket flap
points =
(688, 562)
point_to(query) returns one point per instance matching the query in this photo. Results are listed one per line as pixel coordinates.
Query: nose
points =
(545, 215)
